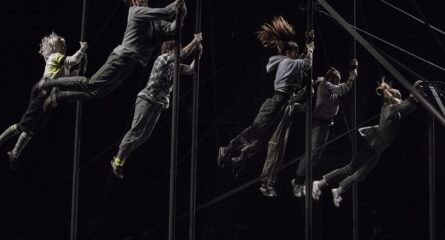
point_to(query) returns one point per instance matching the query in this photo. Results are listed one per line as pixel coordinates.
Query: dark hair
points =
(168, 46)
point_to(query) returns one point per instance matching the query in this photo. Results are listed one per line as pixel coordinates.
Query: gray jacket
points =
(144, 27)
(289, 73)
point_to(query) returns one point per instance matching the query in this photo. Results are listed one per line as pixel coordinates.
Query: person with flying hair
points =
(57, 64)
(145, 28)
(153, 99)
(378, 138)
(326, 108)
(280, 36)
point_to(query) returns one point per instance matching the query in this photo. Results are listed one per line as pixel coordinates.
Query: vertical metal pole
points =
(195, 115)
(174, 133)
(355, 218)
(432, 177)
(308, 157)
(77, 138)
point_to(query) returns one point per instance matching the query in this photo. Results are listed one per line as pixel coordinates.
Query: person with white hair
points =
(57, 64)
(145, 28)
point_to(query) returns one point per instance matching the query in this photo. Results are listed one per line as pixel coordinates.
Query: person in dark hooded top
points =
(378, 138)
(278, 35)
(145, 27)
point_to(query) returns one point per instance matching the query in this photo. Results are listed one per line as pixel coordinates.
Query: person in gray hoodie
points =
(278, 35)
(145, 26)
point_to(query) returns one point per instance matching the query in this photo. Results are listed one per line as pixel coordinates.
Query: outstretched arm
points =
(343, 88)
(190, 69)
(187, 50)
(75, 59)
(169, 27)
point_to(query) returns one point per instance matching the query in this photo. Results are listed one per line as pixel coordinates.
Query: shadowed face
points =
(292, 52)
(60, 46)
(333, 75)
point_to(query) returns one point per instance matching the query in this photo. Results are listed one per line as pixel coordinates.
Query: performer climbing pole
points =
(195, 115)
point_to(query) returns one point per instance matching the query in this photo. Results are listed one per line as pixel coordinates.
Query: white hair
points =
(48, 44)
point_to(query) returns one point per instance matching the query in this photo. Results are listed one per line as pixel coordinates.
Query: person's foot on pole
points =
(117, 166)
(298, 190)
(336, 195)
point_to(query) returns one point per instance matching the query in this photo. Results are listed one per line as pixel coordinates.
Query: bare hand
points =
(83, 45)
(354, 64)
(179, 3)
(310, 36)
(310, 47)
(198, 37)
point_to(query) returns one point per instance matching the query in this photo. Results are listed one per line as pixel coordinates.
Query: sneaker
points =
(223, 157)
(50, 101)
(336, 197)
(13, 161)
(298, 190)
(268, 190)
(117, 170)
(316, 191)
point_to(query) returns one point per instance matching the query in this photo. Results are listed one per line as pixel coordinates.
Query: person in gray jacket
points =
(153, 99)
(145, 26)
(278, 35)
(378, 138)
(326, 108)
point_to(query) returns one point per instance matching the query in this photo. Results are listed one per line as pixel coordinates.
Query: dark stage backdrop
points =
(35, 200)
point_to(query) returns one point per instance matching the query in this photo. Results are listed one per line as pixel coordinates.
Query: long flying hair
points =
(278, 35)
(48, 44)
(389, 94)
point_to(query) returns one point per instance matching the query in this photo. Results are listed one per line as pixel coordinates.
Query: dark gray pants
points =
(320, 135)
(356, 170)
(146, 115)
(277, 147)
(254, 138)
(115, 70)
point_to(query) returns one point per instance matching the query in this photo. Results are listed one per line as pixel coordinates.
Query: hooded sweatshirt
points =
(289, 72)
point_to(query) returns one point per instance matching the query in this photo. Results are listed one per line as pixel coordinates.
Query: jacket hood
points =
(273, 63)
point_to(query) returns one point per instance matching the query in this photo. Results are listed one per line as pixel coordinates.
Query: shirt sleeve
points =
(406, 107)
(186, 69)
(58, 59)
(339, 89)
(152, 14)
(74, 59)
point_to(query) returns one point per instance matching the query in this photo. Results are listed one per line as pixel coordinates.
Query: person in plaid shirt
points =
(153, 99)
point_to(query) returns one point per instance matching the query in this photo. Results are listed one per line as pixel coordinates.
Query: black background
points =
(36, 200)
